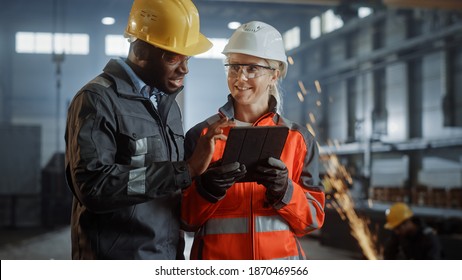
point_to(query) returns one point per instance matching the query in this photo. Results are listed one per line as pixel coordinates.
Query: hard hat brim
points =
(389, 226)
(201, 46)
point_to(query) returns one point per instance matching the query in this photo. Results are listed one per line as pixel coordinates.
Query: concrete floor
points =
(40, 244)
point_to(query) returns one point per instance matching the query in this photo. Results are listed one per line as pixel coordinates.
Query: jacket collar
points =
(128, 84)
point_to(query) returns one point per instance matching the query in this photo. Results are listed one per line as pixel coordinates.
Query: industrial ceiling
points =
(215, 14)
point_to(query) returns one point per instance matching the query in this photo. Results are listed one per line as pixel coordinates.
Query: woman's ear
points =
(275, 76)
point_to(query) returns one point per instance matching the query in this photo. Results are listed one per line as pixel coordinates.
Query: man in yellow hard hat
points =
(124, 140)
(411, 238)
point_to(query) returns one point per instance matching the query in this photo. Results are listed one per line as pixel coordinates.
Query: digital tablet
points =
(250, 144)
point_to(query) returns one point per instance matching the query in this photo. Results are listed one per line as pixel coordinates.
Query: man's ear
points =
(140, 50)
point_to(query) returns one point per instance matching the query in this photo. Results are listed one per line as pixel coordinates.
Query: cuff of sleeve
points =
(205, 194)
(286, 198)
(182, 176)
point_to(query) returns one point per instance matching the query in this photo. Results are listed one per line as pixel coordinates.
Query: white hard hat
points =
(258, 39)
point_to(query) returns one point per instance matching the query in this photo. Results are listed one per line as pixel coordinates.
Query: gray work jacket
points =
(124, 164)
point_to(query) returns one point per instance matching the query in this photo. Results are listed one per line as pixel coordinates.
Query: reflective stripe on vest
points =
(311, 202)
(226, 225)
(241, 225)
(291, 258)
(270, 223)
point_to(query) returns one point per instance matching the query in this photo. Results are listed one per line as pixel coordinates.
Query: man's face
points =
(165, 70)
(403, 229)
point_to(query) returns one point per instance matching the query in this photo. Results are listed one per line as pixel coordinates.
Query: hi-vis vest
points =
(242, 225)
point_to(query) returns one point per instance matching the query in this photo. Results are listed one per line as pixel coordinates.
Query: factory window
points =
(116, 45)
(330, 22)
(364, 12)
(324, 24)
(42, 42)
(292, 38)
(315, 27)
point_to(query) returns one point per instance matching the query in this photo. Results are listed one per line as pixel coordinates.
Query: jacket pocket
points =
(143, 138)
(177, 134)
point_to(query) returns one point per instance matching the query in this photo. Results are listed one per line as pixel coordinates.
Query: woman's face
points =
(245, 89)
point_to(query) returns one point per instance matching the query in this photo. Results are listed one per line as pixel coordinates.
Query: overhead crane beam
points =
(425, 4)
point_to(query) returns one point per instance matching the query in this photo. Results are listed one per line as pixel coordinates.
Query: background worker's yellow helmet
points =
(172, 25)
(396, 214)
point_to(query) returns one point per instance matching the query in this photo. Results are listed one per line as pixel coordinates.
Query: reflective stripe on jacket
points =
(241, 225)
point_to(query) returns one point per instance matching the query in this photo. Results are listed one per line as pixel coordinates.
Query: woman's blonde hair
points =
(275, 90)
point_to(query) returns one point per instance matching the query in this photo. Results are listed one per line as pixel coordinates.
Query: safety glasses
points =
(250, 71)
(174, 58)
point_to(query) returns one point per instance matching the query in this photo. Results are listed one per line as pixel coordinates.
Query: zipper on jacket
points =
(252, 220)
(252, 189)
(262, 118)
(162, 130)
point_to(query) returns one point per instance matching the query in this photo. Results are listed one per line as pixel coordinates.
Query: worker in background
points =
(124, 140)
(263, 218)
(411, 239)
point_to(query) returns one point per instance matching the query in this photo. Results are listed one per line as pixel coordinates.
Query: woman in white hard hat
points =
(263, 218)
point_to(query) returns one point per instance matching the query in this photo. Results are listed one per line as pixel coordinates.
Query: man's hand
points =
(202, 155)
(273, 174)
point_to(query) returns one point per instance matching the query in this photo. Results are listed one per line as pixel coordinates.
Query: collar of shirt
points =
(141, 87)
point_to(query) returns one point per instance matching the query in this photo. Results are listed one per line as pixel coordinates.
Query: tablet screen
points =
(248, 145)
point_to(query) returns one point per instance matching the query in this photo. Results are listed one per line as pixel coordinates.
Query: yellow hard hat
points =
(171, 25)
(396, 214)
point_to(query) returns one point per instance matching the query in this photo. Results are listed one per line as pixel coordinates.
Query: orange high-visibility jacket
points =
(241, 225)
